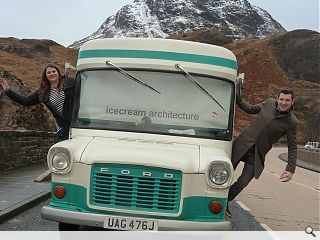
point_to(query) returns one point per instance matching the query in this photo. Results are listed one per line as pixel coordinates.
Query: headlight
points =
(218, 174)
(60, 161)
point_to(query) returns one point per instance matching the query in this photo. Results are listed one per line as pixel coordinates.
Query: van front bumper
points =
(97, 220)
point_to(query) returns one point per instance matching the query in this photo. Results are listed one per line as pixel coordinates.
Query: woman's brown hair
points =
(44, 82)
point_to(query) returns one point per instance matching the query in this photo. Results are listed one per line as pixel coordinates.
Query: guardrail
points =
(311, 149)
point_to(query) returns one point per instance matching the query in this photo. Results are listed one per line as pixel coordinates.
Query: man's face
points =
(285, 102)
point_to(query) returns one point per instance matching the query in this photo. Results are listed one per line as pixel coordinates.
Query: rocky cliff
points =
(163, 18)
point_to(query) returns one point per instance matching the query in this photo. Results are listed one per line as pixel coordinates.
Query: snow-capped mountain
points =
(162, 18)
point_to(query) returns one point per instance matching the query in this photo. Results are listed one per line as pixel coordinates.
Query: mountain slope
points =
(259, 59)
(297, 53)
(162, 18)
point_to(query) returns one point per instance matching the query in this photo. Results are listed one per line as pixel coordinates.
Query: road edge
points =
(245, 208)
(23, 205)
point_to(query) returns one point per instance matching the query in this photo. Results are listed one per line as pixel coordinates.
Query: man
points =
(274, 120)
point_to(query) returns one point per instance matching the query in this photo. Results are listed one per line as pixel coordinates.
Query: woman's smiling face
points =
(52, 74)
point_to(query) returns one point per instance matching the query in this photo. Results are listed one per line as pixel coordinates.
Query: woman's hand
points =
(4, 84)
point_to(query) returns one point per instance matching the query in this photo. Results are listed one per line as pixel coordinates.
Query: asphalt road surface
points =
(290, 206)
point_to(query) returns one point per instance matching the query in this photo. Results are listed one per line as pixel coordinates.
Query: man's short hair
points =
(286, 90)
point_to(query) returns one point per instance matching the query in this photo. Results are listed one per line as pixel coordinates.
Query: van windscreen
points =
(110, 100)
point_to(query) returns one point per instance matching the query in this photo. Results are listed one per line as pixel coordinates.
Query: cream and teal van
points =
(150, 142)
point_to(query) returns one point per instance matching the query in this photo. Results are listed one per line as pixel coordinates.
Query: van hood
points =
(184, 157)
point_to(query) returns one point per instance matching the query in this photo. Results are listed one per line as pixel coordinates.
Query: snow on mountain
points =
(162, 18)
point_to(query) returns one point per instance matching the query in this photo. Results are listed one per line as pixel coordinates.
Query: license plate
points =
(130, 224)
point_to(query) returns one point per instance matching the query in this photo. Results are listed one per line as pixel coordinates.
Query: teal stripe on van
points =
(184, 57)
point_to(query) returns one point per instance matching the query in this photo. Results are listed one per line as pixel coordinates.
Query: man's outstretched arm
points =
(287, 175)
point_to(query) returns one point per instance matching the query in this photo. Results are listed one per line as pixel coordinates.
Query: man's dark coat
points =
(268, 127)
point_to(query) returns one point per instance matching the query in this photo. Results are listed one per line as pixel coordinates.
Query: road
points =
(282, 206)
(31, 220)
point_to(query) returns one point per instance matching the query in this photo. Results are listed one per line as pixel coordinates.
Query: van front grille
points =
(135, 187)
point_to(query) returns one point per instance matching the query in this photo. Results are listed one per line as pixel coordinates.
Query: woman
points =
(55, 91)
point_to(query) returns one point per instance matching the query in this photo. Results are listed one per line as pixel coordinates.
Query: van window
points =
(110, 100)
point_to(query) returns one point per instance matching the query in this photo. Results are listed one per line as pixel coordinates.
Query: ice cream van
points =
(150, 141)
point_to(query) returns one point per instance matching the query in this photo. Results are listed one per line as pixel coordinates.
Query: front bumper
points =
(97, 220)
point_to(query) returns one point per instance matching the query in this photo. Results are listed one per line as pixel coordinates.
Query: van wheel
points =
(68, 227)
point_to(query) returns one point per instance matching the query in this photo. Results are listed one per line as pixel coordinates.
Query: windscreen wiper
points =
(125, 73)
(195, 82)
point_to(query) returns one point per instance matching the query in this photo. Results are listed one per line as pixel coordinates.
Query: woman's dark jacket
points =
(64, 119)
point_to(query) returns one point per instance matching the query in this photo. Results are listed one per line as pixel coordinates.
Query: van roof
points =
(158, 54)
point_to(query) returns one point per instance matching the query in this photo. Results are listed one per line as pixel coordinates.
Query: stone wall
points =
(307, 158)
(20, 149)
(310, 158)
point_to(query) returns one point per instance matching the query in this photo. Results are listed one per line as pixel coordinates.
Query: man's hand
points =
(67, 67)
(286, 176)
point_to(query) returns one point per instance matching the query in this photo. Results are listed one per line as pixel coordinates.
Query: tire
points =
(68, 227)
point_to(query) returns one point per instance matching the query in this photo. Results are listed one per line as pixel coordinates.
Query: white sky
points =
(65, 21)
